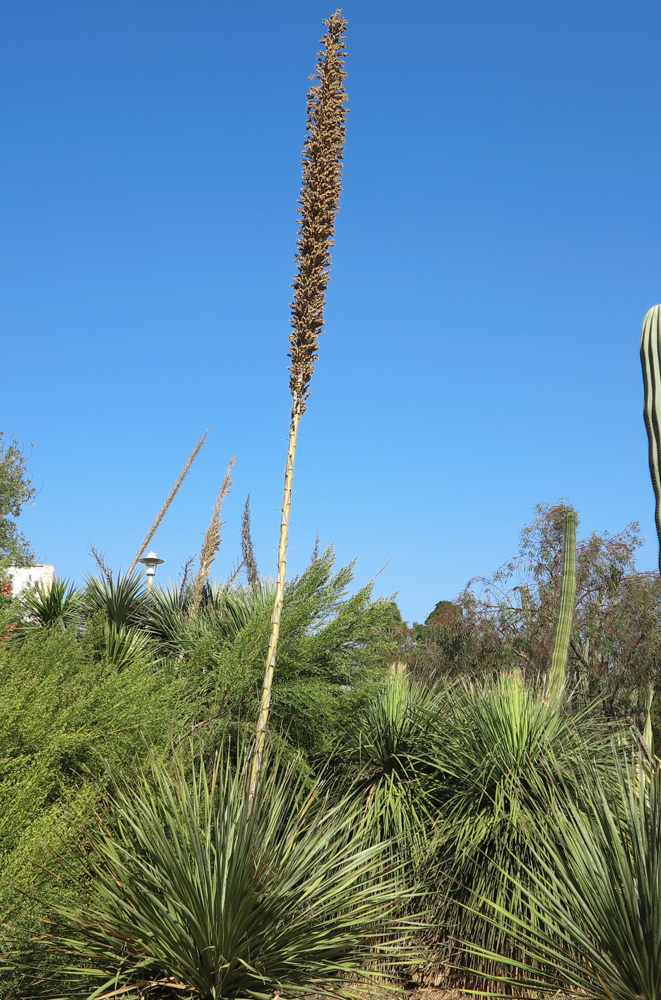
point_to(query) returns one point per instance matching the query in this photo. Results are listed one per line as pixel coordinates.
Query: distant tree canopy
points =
(507, 621)
(16, 491)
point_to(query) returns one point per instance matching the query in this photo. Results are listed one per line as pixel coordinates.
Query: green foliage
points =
(500, 751)
(650, 346)
(386, 751)
(199, 890)
(508, 621)
(59, 605)
(595, 881)
(89, 681)
(16, 491)
(124, 646)
(216, 622)
(122, 601)
(332, 645)
(457, 640)
(66, 715)
(332, 648)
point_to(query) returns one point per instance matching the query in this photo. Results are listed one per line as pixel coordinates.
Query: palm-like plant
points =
(164, 617)
(122, 601)
(595, 882)
(200, 894)
(60, 605)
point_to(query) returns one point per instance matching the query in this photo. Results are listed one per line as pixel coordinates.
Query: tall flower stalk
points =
(319, 202)
(212, 538)
(247, 550)
(168, 500)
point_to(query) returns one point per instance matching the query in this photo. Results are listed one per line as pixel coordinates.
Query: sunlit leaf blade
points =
(232, 901)
(596, 885)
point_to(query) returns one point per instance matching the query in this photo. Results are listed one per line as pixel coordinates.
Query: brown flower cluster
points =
(319, 202)
(212, 538)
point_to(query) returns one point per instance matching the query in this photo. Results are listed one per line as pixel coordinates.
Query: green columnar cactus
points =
(557, 676)
(650, 352)
(648, 735)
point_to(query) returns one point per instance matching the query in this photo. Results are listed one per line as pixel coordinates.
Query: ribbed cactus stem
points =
(557, 676)
(648, 733)
(650, 351)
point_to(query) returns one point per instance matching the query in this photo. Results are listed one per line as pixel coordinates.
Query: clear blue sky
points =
(497, 248)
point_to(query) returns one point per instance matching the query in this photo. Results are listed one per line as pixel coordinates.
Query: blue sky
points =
(497, 248)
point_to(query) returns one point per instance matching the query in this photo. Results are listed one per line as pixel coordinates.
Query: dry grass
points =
(212, 538)
(101, 562)
(247, 550)
(168, 500)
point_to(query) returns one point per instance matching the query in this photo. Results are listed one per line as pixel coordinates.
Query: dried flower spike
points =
(323, 150)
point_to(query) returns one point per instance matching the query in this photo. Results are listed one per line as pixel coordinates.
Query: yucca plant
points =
(319, 204)
(123, 646)
(387, 753)
(502, 750)
(594, 879)
(227, 612)
(199, 892)
(58, 605)
(169, 619)
(121, 601)
(165, 617)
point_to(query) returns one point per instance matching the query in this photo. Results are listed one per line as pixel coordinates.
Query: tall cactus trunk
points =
(650, 355)
(648, 733)
(650, 359)
(319, 202)
(557, 676)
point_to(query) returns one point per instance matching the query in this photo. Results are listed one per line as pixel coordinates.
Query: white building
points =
(23, 577)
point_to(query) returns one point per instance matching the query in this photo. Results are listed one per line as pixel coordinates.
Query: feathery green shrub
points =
(333, 649)
(66, 715)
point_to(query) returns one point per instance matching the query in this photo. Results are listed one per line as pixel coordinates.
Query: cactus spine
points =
(650, 351)
(557, 675)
